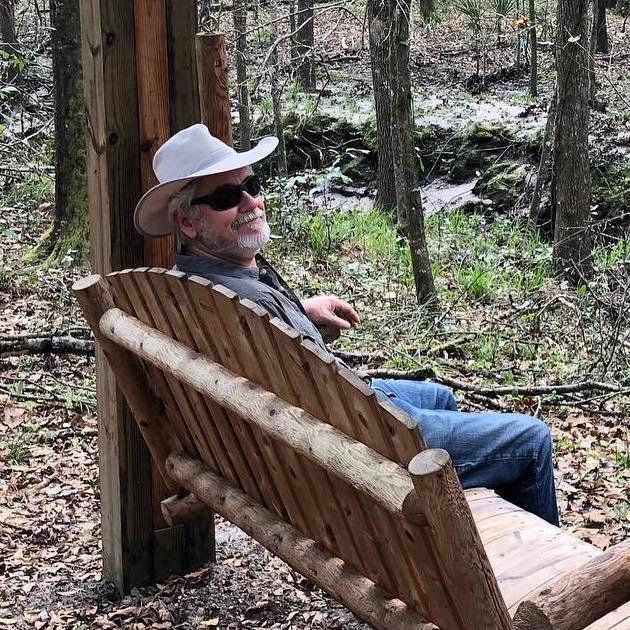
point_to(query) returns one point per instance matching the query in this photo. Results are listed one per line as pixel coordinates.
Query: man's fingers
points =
(347, 312)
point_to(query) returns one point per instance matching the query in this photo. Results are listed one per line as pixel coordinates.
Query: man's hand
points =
(330, 311)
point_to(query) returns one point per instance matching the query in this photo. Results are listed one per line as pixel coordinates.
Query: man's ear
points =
(185, 225)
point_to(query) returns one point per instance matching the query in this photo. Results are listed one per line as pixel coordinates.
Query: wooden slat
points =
(359, 532)
(284, 462)
(166, 386)
(617, 620)
(323, 487)
(202, 300)
(189, 333)
(118, 281)
(198, 403)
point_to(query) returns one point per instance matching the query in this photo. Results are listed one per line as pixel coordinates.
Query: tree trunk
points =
(305, 38)
(7, 22)
(67, 238)
(406, 170)
(276, 92)
(240, 30)
(536, 217)
(571, 177)
(601, 41)
(533, 67)
(378, 24)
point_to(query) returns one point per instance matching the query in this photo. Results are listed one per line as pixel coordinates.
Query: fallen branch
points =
(483, 390)
(46, 344)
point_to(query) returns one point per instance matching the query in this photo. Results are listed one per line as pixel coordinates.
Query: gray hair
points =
(180, 202)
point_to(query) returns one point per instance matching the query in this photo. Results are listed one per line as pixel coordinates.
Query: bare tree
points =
(239, 12)
(7, 22)
(601, 31)
(305, 44)
(276, 90)
(571, 182)
(68, 233)
(378, 14)
(533, 39)
(406, 172)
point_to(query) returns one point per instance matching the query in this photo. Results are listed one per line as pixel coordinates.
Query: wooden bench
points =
(242, 415)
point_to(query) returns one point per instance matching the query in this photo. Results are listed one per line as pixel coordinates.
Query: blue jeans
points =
(508, 452)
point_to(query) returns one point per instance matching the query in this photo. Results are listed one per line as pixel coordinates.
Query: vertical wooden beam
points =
(108, 48)
(153, 107)
(120, 72)
(181, 547)
(214, 90)
(476, 601)
(181, 24)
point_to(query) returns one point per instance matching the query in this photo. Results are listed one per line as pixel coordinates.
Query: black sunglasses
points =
(229, 195)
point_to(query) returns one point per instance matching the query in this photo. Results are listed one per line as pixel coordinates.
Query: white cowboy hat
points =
(191, 153)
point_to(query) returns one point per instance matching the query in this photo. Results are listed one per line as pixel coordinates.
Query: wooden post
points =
(214, 92)
(128, 87)
(477, 598)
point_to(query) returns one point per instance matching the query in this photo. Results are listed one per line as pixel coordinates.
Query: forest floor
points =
(503, 320)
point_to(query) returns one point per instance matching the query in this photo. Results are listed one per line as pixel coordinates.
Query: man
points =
(210, 199)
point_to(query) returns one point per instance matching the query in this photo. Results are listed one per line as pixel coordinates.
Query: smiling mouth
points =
(246, 221)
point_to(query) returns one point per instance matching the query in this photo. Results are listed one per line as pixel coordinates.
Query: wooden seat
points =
(242, 415)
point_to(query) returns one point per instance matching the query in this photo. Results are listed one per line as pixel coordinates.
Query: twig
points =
(482, 390)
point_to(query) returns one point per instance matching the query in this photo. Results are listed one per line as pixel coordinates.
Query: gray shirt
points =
(261, 284)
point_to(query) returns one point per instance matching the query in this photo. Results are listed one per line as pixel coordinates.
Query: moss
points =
(478, 146)
(503, 184)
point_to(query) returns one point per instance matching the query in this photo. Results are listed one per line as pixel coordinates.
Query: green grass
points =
(607, 256)
(622, 458)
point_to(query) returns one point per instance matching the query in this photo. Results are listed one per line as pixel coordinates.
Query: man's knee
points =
(445, 399)
(539, 436)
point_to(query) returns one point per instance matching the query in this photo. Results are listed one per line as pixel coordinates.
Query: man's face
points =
(238, 232)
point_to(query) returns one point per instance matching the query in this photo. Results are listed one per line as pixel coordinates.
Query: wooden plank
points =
(153, 107)
(122, 285)
(200, 408)
(168, 390)
(245, 361)
(351, 522)
(188, 331)
(236, 433)
(617, 620)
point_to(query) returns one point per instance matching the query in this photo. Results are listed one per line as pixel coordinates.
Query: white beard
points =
(245, 246)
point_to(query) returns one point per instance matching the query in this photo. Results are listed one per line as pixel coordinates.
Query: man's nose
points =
(248, 202)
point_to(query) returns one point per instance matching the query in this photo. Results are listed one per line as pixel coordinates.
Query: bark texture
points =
(406, 172)
(601, 39)
(240, 29)
(276, 93)
(7, 22)
(69, 233)
(379, 29)
(571, 176)
(305, 44)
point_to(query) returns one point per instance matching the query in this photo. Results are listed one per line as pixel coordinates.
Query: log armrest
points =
(576, 599)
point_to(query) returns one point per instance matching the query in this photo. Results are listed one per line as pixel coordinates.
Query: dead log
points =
(575, 600)
(46, 344)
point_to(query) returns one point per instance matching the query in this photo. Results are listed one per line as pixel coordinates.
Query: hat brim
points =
(151, 216)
